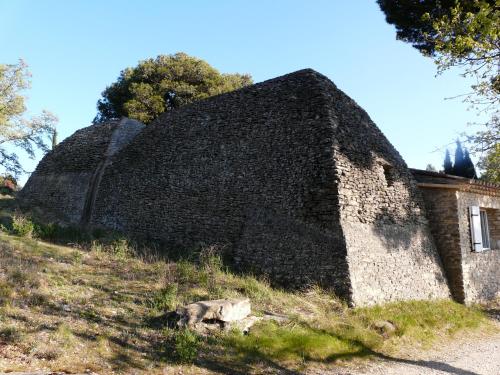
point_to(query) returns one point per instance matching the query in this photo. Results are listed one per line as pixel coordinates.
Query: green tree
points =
(16, 131)
(458, 165)
(469, 170)
(447, 165)
(161, 84)
(491, 165)
(458, 33)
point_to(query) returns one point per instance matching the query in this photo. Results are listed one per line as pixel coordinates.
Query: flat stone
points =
(222, 310)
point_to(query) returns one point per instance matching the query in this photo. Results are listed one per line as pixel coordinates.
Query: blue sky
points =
(76, 48)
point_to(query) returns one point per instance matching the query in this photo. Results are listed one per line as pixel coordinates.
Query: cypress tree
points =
(448, 167)
(469, 170)
(458, 166)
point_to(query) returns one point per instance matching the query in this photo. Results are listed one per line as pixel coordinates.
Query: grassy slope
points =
(69, 308)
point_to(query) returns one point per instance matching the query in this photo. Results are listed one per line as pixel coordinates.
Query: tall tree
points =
(458, 165)
(458, 33)
(16, 131)
(161, 84)
(447, 165)
(469, 170)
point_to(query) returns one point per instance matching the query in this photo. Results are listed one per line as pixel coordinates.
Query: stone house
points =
(464, 217)
(290, 176)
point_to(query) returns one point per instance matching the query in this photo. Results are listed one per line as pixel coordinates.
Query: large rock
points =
(215, 312)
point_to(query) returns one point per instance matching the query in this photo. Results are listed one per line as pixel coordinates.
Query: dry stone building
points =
(290, 175)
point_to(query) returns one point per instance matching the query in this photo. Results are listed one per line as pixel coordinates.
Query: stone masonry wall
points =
(290, 176)
(481, 270)
(442, 210)
(64, 178)
(251, 170)
(282, 173)
(60, 182)
(390, 249)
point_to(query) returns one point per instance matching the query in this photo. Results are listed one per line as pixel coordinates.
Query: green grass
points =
(100, 306)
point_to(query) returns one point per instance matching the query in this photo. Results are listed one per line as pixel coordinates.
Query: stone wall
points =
(391, 254)
(64, 178)
(473, 276)
(442, 209)
(251, 170)
(282, 173)
(481, 270)
(290, 176)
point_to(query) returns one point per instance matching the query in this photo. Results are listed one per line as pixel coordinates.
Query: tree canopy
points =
(463, 34)
(161, 84)
(415, 20)
(16, 131)
(491, 165)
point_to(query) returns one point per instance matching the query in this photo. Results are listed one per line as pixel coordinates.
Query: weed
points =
(65, 334)
(21, 278)
(36, 299)
(10, 334)
(6, 293)
(47, 354)
(121, 248)
(22, 226)
(90, 315)
(187, 273)
(77, 257)
(186, 346)
(165, 298)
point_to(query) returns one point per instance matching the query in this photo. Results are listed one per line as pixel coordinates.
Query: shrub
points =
(46, 231)
(10, 334)
(187, 272)
(186, 345)
(121, 248)
(6, 293)
(165, 298)
(22, 226)
(23, 279)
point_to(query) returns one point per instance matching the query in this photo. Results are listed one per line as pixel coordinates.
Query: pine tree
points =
(458, 166)
(448, 167)
(468, 165)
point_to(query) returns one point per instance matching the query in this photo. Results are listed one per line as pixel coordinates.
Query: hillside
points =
(98, 303)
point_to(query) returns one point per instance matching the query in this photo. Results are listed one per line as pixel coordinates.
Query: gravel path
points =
(471, 357)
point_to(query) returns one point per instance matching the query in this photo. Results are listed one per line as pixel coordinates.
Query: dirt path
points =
(478, 356)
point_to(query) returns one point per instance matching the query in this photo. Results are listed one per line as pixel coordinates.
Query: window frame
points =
(485, 229)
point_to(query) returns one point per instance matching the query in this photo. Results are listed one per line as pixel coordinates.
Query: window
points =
(485, 233)
(485, 228)
(388, 174)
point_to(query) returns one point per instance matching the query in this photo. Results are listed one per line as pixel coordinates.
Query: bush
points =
(121, 248)
(22, 226)
(165, 298)
(6, 293)
(186, 345)
(10, 334)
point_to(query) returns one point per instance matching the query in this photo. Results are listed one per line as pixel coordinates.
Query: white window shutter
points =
(475, 228)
